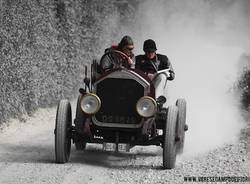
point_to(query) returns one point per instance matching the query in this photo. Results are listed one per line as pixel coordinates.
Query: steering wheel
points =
(116, 58)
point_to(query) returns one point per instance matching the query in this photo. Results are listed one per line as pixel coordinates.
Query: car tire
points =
(63, 131)
(80, 117)
(182, 106)
(169, 135)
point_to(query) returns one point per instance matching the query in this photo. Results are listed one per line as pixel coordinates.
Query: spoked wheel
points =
(182, 105)
(63, 131)
(169, 135)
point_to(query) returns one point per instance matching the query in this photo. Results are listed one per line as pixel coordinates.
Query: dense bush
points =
(244, 82)
(45, 44)
(244, 85)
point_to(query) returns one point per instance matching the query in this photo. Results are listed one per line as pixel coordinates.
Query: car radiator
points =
(118, 100)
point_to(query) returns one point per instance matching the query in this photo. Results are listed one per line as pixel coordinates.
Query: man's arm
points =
(166, 64)
(171, 71)
(106, 63)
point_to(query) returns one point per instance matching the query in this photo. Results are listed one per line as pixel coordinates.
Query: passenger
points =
(113, 60)
(151, 63)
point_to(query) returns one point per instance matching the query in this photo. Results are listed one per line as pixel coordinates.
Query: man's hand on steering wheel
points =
(117, 58)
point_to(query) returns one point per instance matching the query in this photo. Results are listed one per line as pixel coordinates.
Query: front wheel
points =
(63, 131)
(169, 135)
(182, 106)
(80, 144)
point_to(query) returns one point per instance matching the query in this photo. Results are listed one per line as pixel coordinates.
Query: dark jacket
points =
(111, 60)
(160, 62)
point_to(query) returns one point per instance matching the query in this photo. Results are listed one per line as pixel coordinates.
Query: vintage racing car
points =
(118, 106)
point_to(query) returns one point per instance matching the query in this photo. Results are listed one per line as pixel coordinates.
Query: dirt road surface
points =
(27, 156)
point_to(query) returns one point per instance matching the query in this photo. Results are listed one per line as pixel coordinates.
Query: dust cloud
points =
(204, 40)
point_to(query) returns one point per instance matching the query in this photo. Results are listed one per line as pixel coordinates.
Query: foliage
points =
(244, 86)
(45, 44)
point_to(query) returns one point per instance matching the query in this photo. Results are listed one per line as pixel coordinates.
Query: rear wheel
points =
(63, 131)
(182, 105)
(169, 135)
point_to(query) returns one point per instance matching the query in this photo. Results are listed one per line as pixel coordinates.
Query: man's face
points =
(128, 50)
(150, 54)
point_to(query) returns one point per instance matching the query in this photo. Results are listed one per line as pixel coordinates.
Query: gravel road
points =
(27, 156)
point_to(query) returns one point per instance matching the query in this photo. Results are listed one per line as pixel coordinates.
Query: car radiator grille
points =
(118, 101)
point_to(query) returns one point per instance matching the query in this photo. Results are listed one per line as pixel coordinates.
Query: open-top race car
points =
(118, 107)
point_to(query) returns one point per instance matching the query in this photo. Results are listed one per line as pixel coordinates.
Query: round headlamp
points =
(90, 103)
(146, 106)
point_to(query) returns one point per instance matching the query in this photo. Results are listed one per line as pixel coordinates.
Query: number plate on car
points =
(123, 147)
(109, 146)
(112, 147)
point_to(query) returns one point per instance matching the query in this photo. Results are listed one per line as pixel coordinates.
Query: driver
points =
(151, 63)
(114, 60)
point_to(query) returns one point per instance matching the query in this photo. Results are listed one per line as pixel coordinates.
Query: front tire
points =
(80, 119)
(63, 131)
(169, 135)
(182, 106)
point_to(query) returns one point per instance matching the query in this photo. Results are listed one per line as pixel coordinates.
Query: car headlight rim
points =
(153, 103)
(97, 100)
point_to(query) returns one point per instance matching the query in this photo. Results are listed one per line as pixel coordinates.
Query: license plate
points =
(123, 147)
(112, 147)
(109, 146)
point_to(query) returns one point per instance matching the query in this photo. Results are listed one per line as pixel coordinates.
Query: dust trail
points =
(204, 40)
